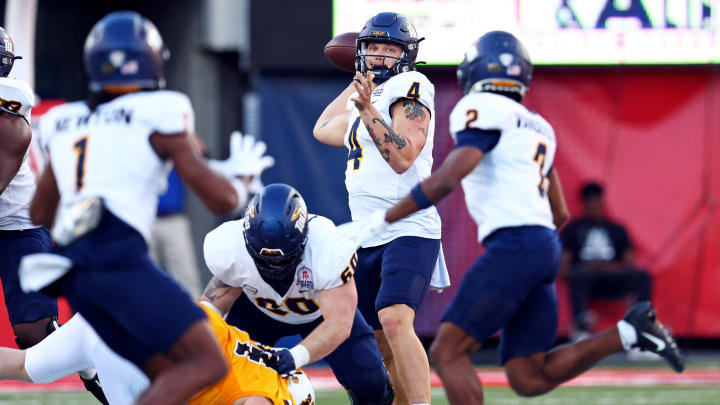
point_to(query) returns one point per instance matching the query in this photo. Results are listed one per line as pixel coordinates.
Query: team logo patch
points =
(249, 290)
(305, 280)
(378, 91)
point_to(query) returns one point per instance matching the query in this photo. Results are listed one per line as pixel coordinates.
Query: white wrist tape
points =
(301, 355)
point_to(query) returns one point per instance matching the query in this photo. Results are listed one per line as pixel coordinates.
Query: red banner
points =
(650, 135)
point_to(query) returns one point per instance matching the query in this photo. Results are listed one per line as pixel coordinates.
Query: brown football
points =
(341, 51)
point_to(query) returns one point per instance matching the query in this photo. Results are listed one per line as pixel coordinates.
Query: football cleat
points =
(653, 336)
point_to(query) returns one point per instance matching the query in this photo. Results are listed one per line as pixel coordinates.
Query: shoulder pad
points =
(220, 248)
(164, 111)
(48, 121)
(16, 97)
(481, 111)
(412, 85)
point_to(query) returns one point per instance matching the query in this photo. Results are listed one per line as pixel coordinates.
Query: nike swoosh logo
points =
(658, 342)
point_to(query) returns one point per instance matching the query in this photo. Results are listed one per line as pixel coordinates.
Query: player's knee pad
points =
(368, 391)
(50, 328)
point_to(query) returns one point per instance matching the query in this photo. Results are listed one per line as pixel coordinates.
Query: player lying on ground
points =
(249, 382)
(504, 157)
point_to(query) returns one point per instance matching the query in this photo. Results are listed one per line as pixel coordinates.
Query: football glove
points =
(247, 158)
(283, 362)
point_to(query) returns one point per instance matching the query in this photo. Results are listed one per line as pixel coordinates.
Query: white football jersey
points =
(509, 187)
(371, 183)
(324, 266)
(17, 98)
(107, 152)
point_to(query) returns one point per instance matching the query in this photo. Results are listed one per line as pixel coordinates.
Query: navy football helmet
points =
(276, 227)
(388, 28)
(7, 53)
(124, 52)
(497, 62)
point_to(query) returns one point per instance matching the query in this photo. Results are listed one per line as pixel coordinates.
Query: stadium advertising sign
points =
(564, 32)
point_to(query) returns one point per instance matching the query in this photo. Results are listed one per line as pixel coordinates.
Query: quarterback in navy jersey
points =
(504, 158)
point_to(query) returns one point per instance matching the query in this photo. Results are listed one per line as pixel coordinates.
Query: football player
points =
(108, 161)
(32, 315)
(250, 380)
(504, 157)
(386, 119)
(282, 272)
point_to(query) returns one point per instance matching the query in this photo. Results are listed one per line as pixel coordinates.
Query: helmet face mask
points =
(497, 63)
(387, 28)
(275, 231)
(124, 52)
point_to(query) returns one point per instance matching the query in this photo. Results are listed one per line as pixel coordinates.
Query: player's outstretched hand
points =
(363, 86)
(247, 157)
(283, 362)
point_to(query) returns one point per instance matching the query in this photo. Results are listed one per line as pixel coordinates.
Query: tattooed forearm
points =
(413, 109)
(215, 290)
(384, 152)
(391, 136)
(325, 124)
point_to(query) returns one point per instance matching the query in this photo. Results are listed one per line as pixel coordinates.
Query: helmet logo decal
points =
(117, 58)
(299, 215)
(8, 44)
(380, 33)
(305, 280)
(514, 70)
(131, 67)
(506, 58)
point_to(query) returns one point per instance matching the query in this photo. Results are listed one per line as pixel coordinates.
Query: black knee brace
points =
(51, 327)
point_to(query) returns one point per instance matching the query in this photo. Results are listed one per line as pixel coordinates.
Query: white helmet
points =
(301, 389)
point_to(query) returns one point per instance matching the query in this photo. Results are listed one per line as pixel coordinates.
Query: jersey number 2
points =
(80, 148)
(540, 159)
(355, 148)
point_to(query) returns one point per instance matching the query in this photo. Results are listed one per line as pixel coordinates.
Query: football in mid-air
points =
(341, 51)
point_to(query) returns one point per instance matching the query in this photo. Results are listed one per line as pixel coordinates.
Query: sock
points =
(628, 335)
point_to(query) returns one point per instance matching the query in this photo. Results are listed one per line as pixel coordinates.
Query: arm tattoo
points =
(384, 152)
(413, 109)
(324, 124)
(391, 136)
(215, 290)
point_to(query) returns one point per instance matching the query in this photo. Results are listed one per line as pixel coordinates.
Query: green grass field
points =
(493, 396)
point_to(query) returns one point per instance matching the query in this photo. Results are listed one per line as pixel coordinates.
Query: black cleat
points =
(93, 385)
(653, 336)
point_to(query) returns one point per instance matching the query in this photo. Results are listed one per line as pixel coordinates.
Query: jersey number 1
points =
(80, 148)
(540, 159)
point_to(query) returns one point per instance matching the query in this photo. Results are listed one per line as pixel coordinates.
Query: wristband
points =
(301, 355)
(418, 195)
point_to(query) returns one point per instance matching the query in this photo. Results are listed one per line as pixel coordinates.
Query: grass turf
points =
(496, 396)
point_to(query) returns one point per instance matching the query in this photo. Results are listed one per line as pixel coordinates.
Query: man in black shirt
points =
(598, 259)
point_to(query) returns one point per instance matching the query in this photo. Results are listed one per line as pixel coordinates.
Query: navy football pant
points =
(511, 288)
(14, 245)
(398, 272)
(134, 307)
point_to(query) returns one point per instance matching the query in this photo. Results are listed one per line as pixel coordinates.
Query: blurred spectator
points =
(171, 246)
(598, 260)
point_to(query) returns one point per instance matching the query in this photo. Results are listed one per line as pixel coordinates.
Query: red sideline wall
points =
(651, 136)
